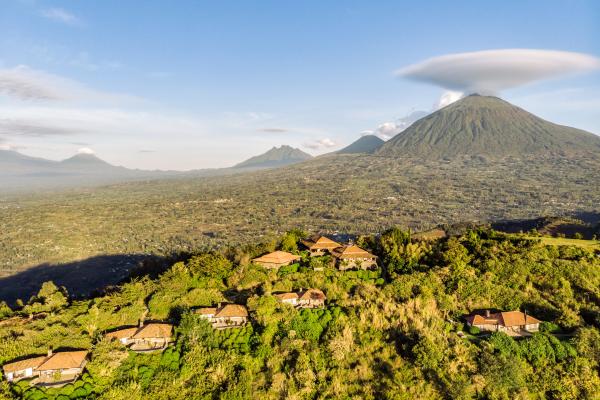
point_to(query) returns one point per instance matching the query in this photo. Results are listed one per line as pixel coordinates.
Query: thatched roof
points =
(64, 360)
(206, 311)
(154, 330)
(506, 318)
(286, 296)
(320, 242)
(313, 294)
(122, 333)
(277, 257)
(21, 365)
(352, 251)
(232, 310)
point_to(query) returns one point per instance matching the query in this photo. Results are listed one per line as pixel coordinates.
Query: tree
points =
(50, 298)
(210, 265)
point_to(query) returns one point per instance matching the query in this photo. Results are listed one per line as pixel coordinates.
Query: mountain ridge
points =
(487, 126)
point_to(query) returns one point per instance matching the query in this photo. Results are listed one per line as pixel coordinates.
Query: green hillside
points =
(490, 127)
(393, 333)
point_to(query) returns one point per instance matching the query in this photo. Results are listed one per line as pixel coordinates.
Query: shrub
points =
(473, 330)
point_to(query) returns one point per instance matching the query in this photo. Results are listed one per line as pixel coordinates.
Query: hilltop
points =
(275, 157)
(490, 127)
(397, 331)
(366, 144)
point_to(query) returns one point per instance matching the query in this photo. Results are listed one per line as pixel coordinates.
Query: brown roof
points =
(481, 320)
(232, 310)
(154, 330)
(33, 362)
(206, 311)
(352, 251)
(506, 318)
(320, 242)
(313, 294)
(64, 360)
(286, 296)
(516, 318)
(122, 333)
(277, 257)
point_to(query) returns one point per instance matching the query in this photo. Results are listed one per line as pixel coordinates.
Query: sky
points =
(188, 84)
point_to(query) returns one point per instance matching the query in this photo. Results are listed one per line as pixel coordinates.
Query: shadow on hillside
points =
(81, 278)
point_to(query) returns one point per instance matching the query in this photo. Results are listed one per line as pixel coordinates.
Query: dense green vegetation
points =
(352, 194)
(395, 333)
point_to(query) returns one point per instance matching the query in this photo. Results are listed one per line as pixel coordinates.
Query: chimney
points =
(218, 305)
(49, 351)
(141, 323)
(487, 313)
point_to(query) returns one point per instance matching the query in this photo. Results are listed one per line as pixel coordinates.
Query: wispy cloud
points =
(62, 16)
(25, 83)
(273, 130)
(492, 71)
(320, 144)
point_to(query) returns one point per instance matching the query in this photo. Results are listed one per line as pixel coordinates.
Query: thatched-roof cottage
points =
(319, 245)
(353, 257)
(511, 322)
(310, 298)
(55, 369)
(147, 337)
(227, 316)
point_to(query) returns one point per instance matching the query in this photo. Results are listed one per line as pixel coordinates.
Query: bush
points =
(549, 327)
(473, 330)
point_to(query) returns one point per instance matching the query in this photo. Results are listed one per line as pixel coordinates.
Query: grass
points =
(552, 241)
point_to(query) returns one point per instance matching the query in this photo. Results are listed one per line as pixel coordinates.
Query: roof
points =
(232, 310)
(122, 333)
(506, 318)
(206, 311)
(516, 318)
(277, 257)
(313, 294)
(352, 251)
(154, 330)
(21, 365)
(286, 296)
(320, 242)
(64, 360)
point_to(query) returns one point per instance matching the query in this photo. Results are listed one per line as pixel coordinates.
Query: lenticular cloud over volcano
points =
(492, 71)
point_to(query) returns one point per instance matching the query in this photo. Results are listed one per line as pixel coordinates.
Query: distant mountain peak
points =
(275, 157)
(85, 158)
(479, 125)
(365, 144)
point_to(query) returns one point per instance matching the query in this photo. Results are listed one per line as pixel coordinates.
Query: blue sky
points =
(189, 84)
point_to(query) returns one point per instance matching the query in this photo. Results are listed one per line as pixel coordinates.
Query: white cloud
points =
(61, 15)
(492, 71)
(85, 150)
(447, 98)
(27, 84)
(388, 130)
(46, 121)
(320, 144)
